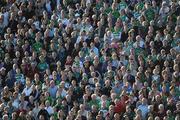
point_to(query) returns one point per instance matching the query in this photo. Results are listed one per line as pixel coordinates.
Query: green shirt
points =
(42, 66)
(149, 14)
(50, 100)
(124, 18)
(20, 78)
(115, 13)
(107, 103)
(122, 5)
(108, 10)
(94, 102)
(138, 51)
(139, 6)
(99, 5)
(36, 46)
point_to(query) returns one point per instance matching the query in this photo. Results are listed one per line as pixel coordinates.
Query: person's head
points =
(138, 112)
(82, 107)
(14, 116)
(137, 117)
(144, 101)
(3, 71)
(94, 108)
(31, 98)
(128, 109)
(41, 117)
(116, 116)
(156, 118)
(28, 82)
(5, 117)
(178, 106)
(150, 118)
(111, 109)
(60, 114)
(161, 107)
(52, 84)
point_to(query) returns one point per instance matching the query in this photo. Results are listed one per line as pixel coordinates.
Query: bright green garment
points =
(85, 51)
(42, 66)
(20, 78)
(122, 5)
(171, 118)
(149, 14)
(143, 79)
(57, 82)
(139, 6)
(117, 34)
(177, 92)
(174, 42)
(50, 100)
(124, 18)
(76, 75)
(138, 51)
(115, 14)
(128, 48)
(36, 46)
(99, 5)
(108, 10)
(55, 114)
(102, 59)
(94, 102)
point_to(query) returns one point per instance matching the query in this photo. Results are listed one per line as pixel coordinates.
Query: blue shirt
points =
(52, 91)
(144, 110)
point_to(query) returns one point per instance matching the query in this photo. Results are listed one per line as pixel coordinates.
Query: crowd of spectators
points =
(90, 59)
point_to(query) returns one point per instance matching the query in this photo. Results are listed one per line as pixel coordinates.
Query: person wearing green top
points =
(94, 101)
(37, 46)
(19, 76)
(115, 12)
(99, 4)
(139, 6)
(104, 102)
(107, 9)
(117, 33)
(149, 12)
(170, 115)
(42, 66)
(85, 49)
(123, 16)
(122, 5)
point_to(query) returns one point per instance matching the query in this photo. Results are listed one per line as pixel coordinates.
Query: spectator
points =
(89, 59)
